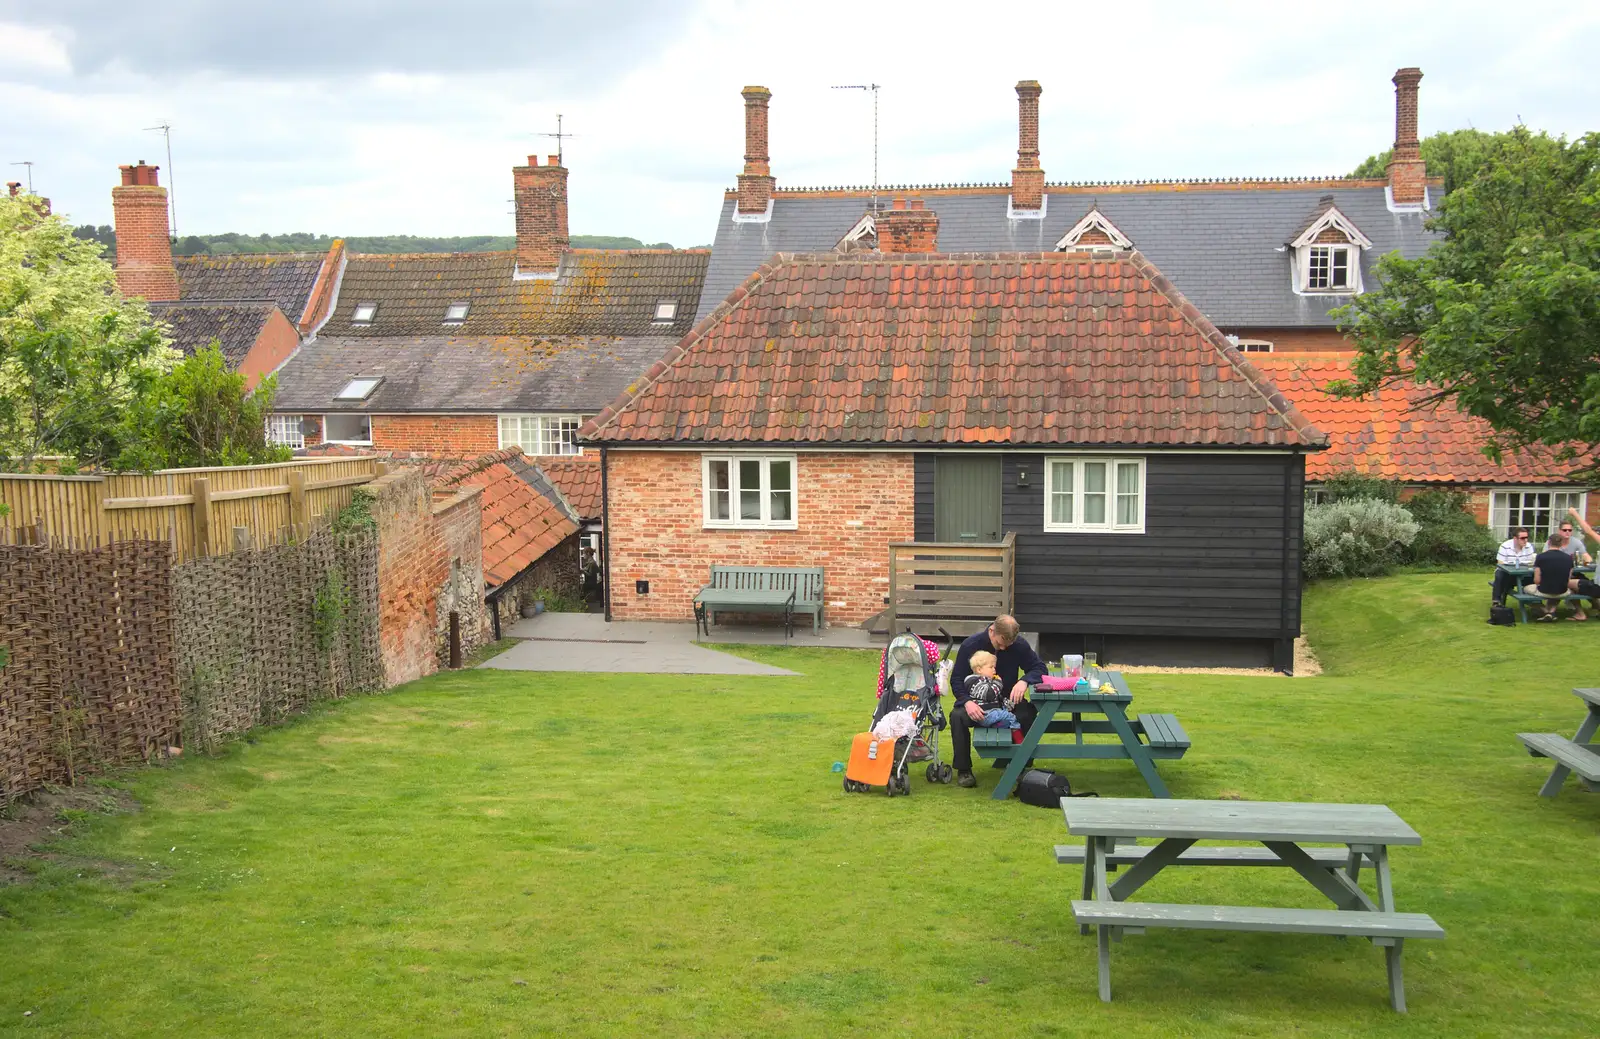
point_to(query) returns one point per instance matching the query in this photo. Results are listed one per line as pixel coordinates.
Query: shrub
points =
(559, 600)
(1356, 537)
(1351, 484)
(1448, 532)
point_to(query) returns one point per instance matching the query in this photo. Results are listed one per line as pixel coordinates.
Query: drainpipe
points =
(605, 530)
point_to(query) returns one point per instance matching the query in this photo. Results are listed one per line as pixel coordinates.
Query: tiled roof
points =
(236, 326)
(524, 516)
(284, 279)
(578, 477)
(467, 374)
(1052, 348)
(1393, 436)
(1220, 243)
(595, 293)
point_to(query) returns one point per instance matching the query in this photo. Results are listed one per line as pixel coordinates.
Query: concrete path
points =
(586, 642)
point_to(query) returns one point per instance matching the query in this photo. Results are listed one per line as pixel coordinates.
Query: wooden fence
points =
(959, 585)
(202, 512)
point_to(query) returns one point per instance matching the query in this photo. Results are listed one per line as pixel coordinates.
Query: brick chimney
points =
(144, 242)
(14, 187)
(1408, 174)
(1027, 180)
(541, 200)
(756, 182)
(903, 229)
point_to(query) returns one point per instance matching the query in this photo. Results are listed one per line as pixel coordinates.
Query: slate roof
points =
(578, 478)
(285, 279)
(524, 516)
(1220, 243)
(236, 326)
(1391, 434)
(595, 293)
(1042, 348)
(459, 375)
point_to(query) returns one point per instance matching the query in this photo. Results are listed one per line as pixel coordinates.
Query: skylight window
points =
(667, 310)
(456, 313)
(359, 388)
(364, 314)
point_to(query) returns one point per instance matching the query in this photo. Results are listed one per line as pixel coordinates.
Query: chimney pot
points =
(14, 187)
(899, 203)
(533, 160)
(756, 182)
(144, 243)
(553, 160)
(1027, 180)
(916, 203)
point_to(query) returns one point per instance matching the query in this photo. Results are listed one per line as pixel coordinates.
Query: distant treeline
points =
(232, 244)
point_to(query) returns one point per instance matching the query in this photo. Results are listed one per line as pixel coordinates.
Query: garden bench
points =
(761, 589)
(1578, 754)
(1523, 600)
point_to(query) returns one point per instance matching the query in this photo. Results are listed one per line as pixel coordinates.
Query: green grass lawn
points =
(495, 853)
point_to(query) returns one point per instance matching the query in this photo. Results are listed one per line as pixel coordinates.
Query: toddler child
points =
(983, 689)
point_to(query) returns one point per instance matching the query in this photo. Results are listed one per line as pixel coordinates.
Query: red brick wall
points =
(1027, 180)
(850, 507)
(277, 341)
(459, 521)
(540, 199)
(756, 182)
(446, 436)
(903, 230)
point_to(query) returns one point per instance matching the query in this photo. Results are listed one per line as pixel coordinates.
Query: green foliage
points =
(1457, 156)
(1356, 537)
(74, 354)
(232, 243)
(1353, 484)
(329, 608)
(357, 516)
(199, 414)
(1502, 316)
(1448, 533)
(558, 600)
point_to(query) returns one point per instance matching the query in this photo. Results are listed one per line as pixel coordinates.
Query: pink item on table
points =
(1058, 683)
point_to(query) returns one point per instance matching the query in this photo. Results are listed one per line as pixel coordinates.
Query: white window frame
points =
(546, 430)
(326, 439)
(1078, 526)
(657, 317)
(1352, 268)
(1254, 346)
(285, 429)
(733, 522)
(451, 318)
(372, 314)
(1500, 510)
(1306, 241)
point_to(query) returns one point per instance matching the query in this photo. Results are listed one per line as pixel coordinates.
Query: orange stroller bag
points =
(871, 760)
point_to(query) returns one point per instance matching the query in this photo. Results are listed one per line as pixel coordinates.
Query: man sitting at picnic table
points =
(1516, 551)
(1017, 666)
(1553, 578)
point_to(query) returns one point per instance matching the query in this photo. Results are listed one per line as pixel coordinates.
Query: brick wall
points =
(1027, 180)
(144, 248)
(423, 561)
(540, 199)
(459, 521)
(557, 569)
(850, 506)
(437, 436)
(756, 182)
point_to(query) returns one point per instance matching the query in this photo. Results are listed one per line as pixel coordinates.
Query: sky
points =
(368, 117)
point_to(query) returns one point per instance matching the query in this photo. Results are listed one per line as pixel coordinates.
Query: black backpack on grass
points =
(1044, 788)
(1503, 615)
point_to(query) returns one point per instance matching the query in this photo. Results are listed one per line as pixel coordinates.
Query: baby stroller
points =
(910, 684)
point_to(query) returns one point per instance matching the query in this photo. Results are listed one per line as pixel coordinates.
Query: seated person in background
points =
(1552, 578)
(1016, 665)
(1569, 543)
(983, 687)
(1515, 551)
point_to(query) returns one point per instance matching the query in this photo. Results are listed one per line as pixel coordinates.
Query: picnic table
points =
(1062, 712)
(1579, 754)
(1365, 831)
(1522, 576)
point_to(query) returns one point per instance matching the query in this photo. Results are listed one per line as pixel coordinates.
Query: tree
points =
(1455, 155)
(74, 354)
(200, 414)
(1501, 317)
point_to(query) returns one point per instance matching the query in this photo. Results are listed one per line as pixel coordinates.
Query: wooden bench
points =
(761, 589)
(1166, 738)
(1163, 732)
(1576, 757)
(1524, 600)
(1389, 930)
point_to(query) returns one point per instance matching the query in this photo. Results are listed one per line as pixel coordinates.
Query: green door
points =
(966, 498)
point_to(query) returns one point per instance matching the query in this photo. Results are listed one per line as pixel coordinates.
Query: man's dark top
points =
(1015, 658)
(1555, 570)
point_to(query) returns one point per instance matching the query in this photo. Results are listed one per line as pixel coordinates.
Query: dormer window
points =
(456, 313)
(1094, 231)
(666, 311)
(1327, 253)
(863, 237)
(364, 313)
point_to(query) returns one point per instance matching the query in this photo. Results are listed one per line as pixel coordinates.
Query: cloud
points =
(555, 41)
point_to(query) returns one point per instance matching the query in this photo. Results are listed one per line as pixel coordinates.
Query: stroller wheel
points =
(945, 774)
(905, 786)
(933, 773)
(849, 786)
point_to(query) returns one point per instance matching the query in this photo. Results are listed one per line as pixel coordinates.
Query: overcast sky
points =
(404, 117)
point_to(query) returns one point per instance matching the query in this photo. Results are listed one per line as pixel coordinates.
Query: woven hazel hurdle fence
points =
(201, 512)
(115, 654)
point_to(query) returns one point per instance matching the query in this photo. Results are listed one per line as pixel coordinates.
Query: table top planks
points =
(1237, 820)
(1589, 696)
(1113, 687)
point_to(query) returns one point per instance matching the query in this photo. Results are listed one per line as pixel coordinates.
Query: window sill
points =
(1051, 529)
(792, 525)
(350, 443)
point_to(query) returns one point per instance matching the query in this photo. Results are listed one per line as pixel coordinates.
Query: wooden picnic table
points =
(1062, 713)
(1579, 754)
(709, 599)
(1365, 831)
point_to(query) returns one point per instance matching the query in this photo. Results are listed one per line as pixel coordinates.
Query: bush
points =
(1356, 537)
(1351, 484)
(1448, 532)
(559, 600)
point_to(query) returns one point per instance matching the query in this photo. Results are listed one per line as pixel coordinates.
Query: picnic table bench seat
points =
(1133, 854)
(1163, 731)
(788, 590)
(1165, 736)
(1382, 928)
(1577, 757)
(1524, 600)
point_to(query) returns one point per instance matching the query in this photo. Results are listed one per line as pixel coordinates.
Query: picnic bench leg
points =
(1103, 936)
(1022, 752)
(1090, 848)
(1397, 981)
(1585, 733)
(1136, 750)
(1341, 891)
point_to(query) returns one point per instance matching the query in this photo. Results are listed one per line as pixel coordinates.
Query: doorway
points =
(966, 499)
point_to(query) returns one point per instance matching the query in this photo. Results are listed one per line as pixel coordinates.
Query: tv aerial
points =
(172, 181)
(560, 138)
(874, 88)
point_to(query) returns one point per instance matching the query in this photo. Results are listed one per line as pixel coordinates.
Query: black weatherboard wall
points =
(1215, 578)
